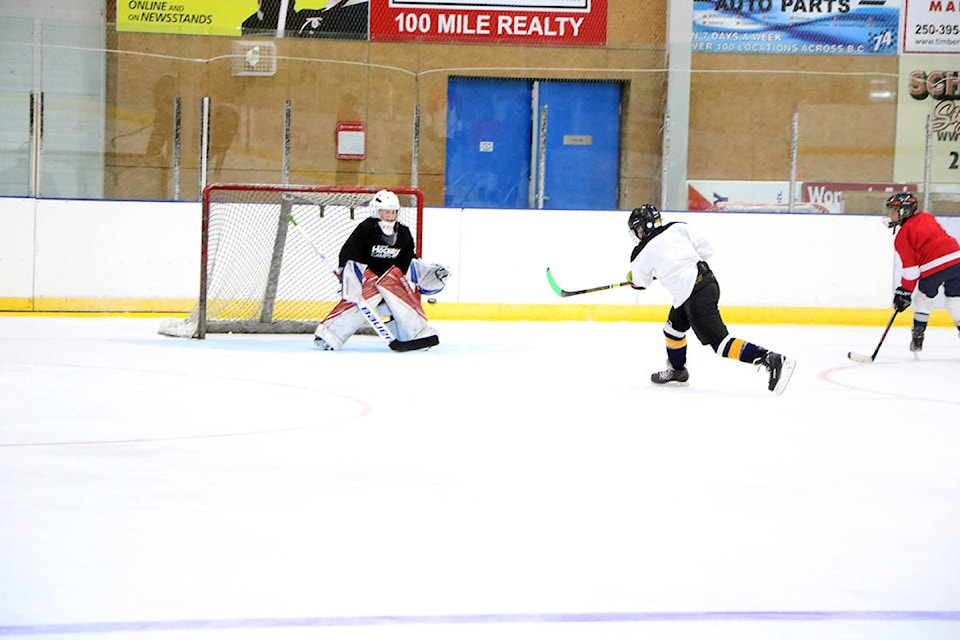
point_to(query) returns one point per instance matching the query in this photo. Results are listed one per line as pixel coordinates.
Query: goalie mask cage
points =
(259, 274)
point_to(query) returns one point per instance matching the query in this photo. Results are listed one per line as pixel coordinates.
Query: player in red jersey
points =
(930, 258)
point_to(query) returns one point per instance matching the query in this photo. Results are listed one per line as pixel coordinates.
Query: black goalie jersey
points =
(368, 245)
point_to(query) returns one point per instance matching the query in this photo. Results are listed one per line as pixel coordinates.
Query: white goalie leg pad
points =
(409, 320)
(429, 278)
(352, 280)
(341, 323)
(346, 319)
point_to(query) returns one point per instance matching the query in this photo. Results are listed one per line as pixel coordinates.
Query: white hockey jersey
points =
(670, 254)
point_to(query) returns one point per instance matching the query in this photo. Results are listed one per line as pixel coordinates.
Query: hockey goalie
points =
(380, 275)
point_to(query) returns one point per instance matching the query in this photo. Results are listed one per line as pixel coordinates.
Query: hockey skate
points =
(780, 369)
(916, 340)
(670, 374)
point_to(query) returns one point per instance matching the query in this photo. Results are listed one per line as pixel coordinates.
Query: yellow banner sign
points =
(202, 17)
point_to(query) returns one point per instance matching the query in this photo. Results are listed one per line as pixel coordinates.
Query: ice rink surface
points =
(520, 480)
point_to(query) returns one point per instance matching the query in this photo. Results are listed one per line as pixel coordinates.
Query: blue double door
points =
(517, 144)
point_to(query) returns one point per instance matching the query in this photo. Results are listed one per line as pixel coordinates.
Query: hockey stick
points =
(859, 357)
(563, 293)
(371, 317)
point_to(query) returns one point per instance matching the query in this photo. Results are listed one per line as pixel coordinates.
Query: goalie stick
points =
(394, 343)
(859, 357)
(371, 317)
(563, 293)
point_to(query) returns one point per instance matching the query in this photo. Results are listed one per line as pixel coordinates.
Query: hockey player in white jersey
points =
(676, 255)
(379, 270)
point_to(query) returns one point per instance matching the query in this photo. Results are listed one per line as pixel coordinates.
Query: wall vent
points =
(254, 58)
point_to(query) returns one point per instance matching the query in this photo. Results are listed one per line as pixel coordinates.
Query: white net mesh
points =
(270, 251)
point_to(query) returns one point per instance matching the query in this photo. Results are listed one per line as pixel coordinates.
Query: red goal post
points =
(259, 274)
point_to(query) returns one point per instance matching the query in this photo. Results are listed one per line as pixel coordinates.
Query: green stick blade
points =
(553, 283)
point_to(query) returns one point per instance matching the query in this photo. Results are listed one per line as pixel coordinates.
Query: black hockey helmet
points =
(644, 219)
(904, 204)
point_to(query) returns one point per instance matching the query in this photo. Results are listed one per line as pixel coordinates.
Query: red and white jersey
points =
(670, 254)
(924, 247)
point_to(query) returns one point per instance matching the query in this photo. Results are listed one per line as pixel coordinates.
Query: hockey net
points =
(267, 253)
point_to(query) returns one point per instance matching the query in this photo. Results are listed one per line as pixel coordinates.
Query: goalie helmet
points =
(386, 201)
(903, 205)
(644, 219)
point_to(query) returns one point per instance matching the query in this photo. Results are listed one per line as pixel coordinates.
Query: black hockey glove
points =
(902, 299)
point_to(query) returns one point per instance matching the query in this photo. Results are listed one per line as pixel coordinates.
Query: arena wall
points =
(143, 257)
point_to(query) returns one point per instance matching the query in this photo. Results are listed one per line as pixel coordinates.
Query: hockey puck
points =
(432, 300)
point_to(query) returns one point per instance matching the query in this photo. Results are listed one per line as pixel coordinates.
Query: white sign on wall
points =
(931, 26)
(929, 88)
(746, 195)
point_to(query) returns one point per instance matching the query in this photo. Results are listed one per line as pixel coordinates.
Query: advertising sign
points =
(200, 17)
(928, 87)
(536, 22)
(769, 196)
(835, 27)
(773, 196)
(831, 194)
(342, 19)
(931, 26)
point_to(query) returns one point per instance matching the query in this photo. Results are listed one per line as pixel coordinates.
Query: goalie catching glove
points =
(429, 278)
